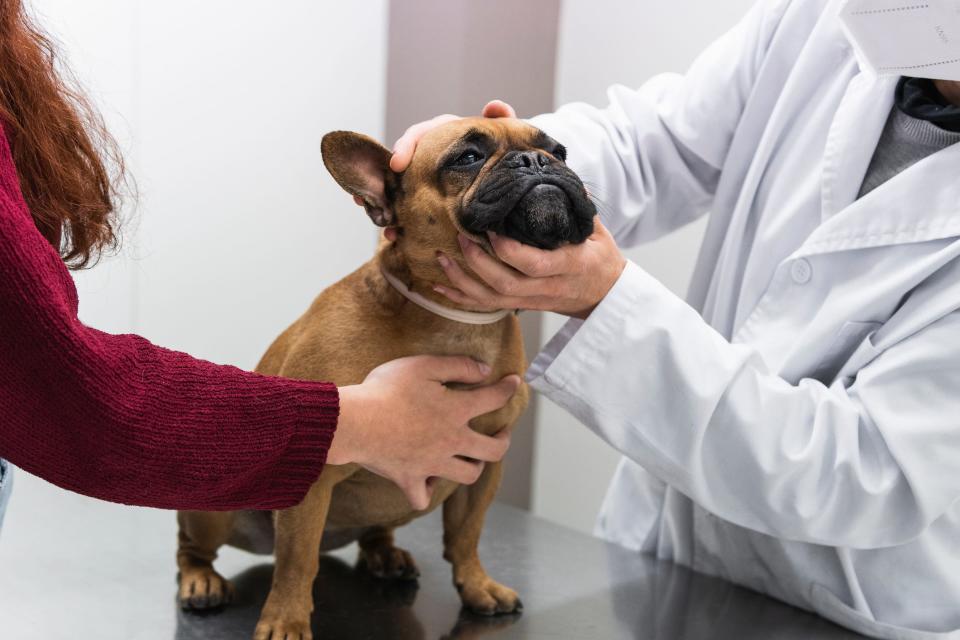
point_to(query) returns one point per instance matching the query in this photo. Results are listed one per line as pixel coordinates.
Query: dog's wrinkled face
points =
(472, 175)
(509, 177)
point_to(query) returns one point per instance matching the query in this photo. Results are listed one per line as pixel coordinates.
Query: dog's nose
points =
(535, 160)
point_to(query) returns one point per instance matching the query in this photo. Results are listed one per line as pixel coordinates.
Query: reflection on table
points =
(573, 586)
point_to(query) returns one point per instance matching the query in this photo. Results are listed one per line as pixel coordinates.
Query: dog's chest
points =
(460, 341)
(365, 499)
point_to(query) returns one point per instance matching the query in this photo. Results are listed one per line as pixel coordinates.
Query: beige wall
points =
(452, 56)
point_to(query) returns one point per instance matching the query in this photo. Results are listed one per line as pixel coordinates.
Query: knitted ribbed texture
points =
(117, 418)
(904, 142)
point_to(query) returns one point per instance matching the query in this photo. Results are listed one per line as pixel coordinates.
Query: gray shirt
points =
(905, 141)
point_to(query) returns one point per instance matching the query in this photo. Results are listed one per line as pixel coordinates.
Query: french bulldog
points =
(468, 176)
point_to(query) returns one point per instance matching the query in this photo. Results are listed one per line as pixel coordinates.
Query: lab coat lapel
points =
(921, 203)
(852, 139)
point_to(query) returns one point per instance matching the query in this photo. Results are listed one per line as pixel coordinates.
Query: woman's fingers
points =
(485, 448)
(498, 109)
(418, 492)
(462, 471)
(454, 369)
(490, 398)
(404, 147)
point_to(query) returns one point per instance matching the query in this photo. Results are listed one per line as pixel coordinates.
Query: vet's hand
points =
(404, 147)
(402, 423)
(571, 280)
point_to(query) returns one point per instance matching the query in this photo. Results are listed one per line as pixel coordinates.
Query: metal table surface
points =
(71, 567)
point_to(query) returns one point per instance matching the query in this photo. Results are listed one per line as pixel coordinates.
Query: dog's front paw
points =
(281, 629)
(388, 561)
(203, 588)
(487, 597)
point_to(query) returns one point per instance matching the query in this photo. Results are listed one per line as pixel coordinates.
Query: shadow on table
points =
(349, 603)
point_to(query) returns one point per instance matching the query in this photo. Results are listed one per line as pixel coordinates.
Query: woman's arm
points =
(118, 418)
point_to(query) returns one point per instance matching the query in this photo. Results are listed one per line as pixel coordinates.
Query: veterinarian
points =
(117, 418)
(794, 425)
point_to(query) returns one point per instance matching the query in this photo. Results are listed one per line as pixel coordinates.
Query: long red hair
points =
(69, 166)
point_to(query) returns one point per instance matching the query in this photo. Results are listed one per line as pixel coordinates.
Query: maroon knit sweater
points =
(117, 418)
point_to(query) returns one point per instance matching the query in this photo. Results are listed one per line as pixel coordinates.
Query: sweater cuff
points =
(318, 409)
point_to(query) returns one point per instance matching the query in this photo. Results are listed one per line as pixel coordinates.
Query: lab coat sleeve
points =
(651, 159)
(866, 464)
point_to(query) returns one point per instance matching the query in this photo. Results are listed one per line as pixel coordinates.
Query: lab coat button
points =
(801, 271)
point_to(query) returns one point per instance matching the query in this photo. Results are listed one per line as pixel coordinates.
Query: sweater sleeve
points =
(118, 418)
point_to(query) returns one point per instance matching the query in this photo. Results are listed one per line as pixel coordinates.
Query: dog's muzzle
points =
(532, 198)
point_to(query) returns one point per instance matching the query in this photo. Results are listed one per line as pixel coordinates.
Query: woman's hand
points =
(571, 280)
(404, 424)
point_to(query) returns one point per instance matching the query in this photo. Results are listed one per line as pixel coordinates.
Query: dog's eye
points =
(467, 158)
(560, 153)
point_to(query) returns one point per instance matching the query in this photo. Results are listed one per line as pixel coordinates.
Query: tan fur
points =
(353, 326)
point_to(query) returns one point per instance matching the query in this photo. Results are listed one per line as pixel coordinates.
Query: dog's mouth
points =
(546, 208)
(543, 218)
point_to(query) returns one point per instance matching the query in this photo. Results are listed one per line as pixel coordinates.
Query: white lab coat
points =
(795, 425)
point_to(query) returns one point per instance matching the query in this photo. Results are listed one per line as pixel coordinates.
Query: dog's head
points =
(472, 175)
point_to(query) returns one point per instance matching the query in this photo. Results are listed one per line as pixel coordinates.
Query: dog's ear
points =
(361, 165)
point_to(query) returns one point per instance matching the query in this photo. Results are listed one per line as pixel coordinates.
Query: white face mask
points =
(919, 38)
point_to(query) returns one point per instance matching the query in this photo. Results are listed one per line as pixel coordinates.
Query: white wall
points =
(603, 42)
(221, 106)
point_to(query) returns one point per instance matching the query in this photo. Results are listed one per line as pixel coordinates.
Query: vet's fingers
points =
(404, 147)
(454, 369)
(600, 231)
(502, 278)
(490, 301)
(462, 471)
(528, 260)
(468, 285)
(457, 296)
(491, 397)
(500, 302)
(498, 109)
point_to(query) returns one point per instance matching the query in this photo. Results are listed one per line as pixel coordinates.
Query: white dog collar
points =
(457, 315)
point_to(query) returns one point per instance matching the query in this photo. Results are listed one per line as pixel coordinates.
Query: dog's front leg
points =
(286, 614)
(463, 515)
